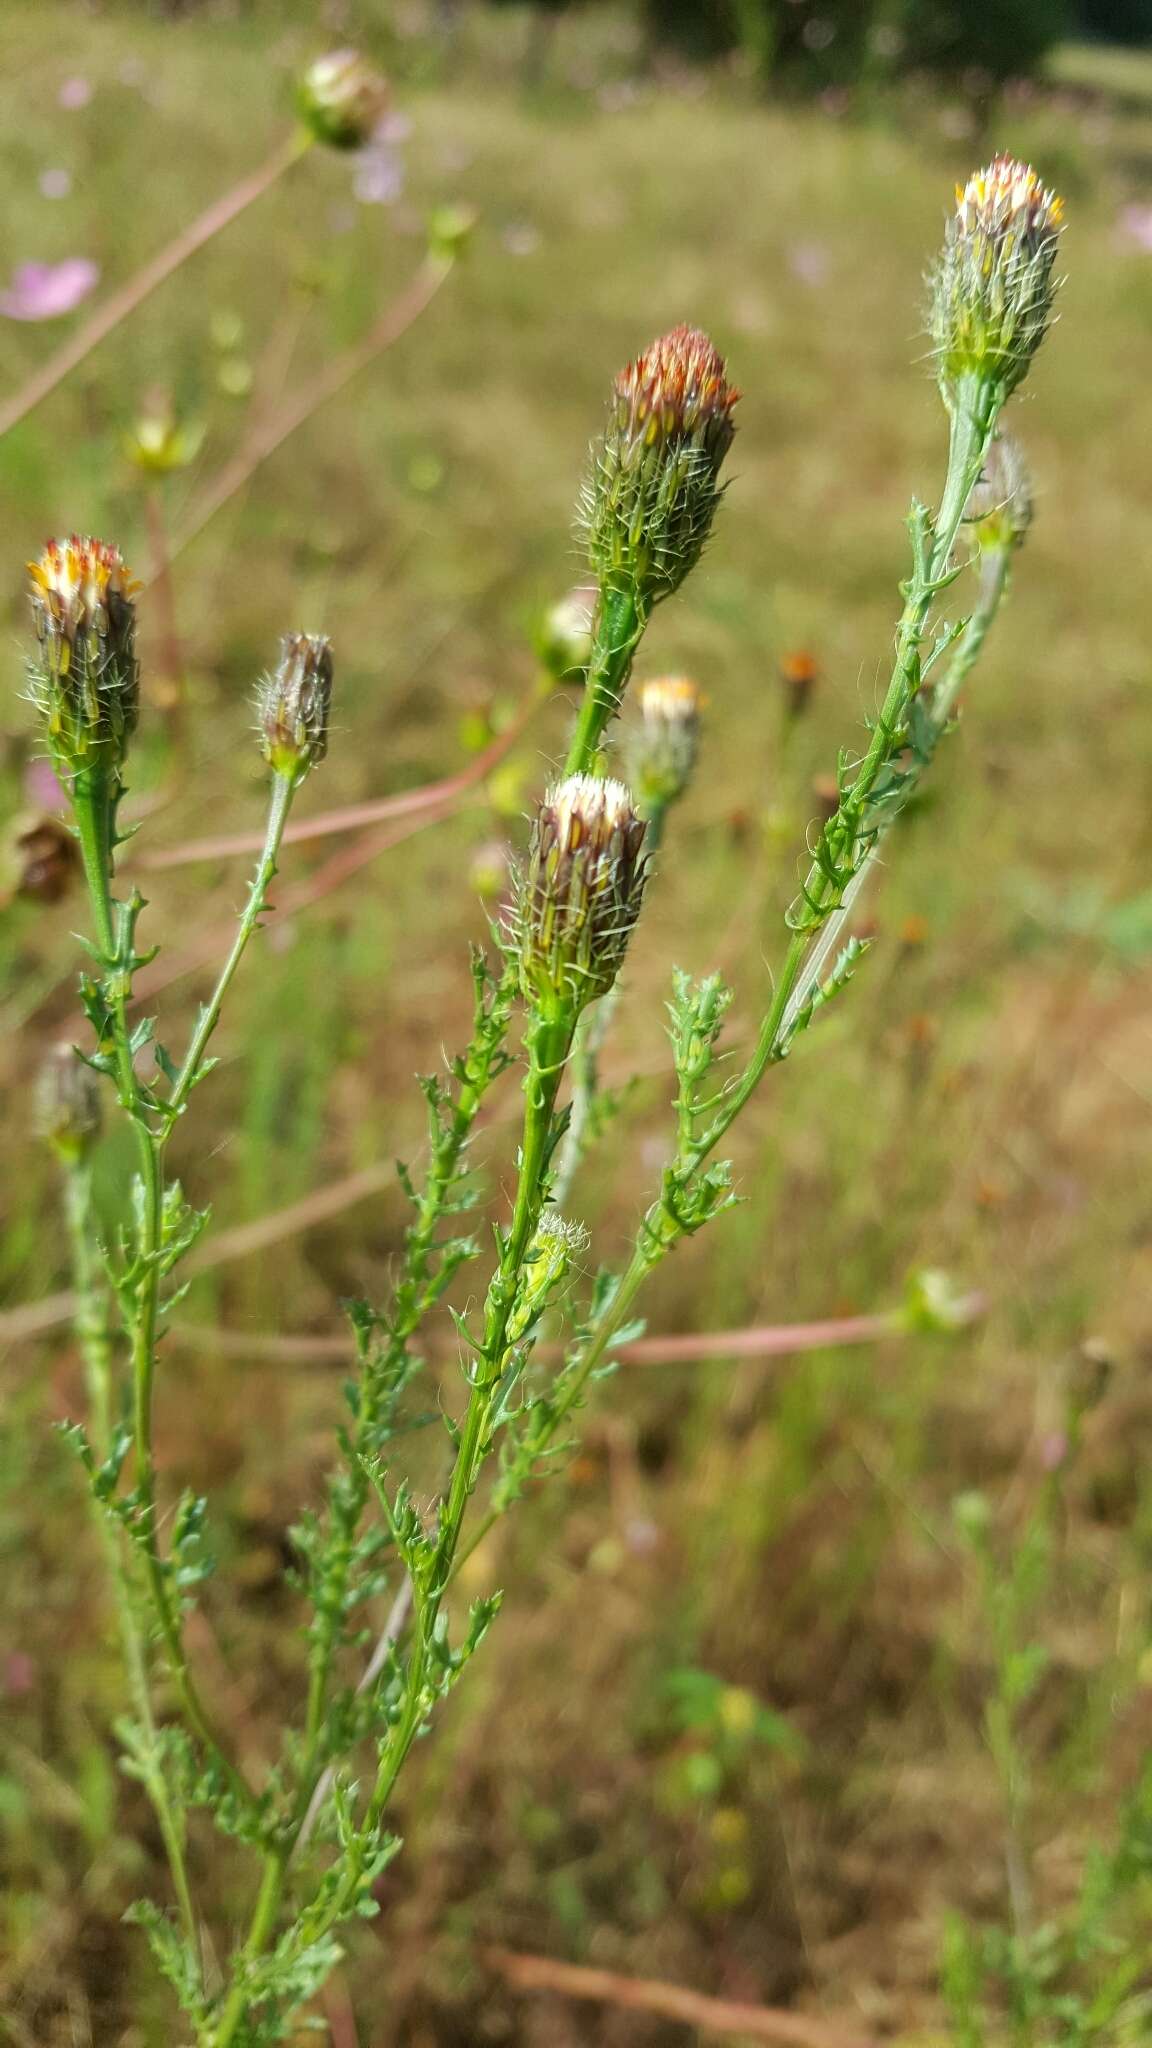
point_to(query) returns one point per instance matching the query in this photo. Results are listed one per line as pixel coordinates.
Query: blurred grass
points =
(979, 1102)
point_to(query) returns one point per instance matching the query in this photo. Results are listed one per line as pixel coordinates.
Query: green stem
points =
(93, 1329)
(620, 623)
(93, 803)
(549, 1047)
(283, 791)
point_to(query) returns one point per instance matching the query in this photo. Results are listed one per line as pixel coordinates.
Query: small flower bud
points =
(556, 1244)
(86, 683)
(343, 99)
(159, 443)
(294, 705)
(652, 495)
(564, 640)
(450, 230)
(580, 894)
(68, 1104)
(1000, 507)
(993, 287)
(663, 751)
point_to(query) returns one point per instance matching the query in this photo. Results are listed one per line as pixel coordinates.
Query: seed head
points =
(994, 285)
(343, 99)
(580, 893)
(294, 704)
(663, 751)
(654, 486)
(1000, 507)
(85, 682)
(68, 1104)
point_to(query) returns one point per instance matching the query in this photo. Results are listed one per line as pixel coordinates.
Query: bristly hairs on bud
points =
(85, 682)
(664, 746)
(342, 99)
(580, 894)
(994, 285)
(653, 489)
(293, 706)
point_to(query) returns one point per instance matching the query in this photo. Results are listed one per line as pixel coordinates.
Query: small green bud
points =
(159, 443)
(1000, 507)
(554, 1247)
(564, 639)
(972, 1518)
(343, 99)
(294, 705)
(450, 229)
(580, 893)
(663, 750)
(86, 681)
(654, 486)
(994, 285)
(68, 1104)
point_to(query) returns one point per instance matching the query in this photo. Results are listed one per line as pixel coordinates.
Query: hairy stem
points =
(94, 1332)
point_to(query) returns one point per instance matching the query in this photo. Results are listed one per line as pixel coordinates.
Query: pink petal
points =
(46, 291)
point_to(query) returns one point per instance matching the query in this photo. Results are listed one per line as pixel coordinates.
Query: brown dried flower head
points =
(654, 487)
(294, 705)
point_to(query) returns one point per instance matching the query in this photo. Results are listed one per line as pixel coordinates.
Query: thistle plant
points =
(378, 1557)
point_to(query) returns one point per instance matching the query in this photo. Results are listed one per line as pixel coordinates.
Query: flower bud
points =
(342, 99)
(993, 287)
(580, 894)
(294, 705)
(663, 750)
(556, 1244)
(1000, 506)
(86, 683)
(652, 494)
(68, 1104)
(564, 640)
(159, 443)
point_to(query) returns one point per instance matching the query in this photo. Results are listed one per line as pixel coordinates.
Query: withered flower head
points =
(994, 285)
(580, 893)
(654, 487)
(86, 682)
(294, 704)
(663, 750)
(1000, 507)
(68, 1104)
(343, 99)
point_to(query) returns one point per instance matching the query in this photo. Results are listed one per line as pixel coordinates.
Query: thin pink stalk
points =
(117, 309)
(673, 2001)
